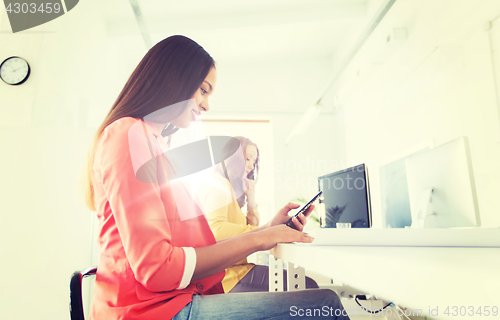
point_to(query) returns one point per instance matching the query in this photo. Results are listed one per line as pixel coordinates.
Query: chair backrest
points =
(75, 292)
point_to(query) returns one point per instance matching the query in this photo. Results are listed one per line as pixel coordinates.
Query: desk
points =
(423, 278)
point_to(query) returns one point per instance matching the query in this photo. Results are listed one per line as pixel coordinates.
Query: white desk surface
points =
(414, 277)
(455, 237)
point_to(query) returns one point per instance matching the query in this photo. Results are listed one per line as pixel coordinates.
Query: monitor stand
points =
(424, 209)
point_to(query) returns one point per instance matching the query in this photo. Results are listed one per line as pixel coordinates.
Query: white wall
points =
(436, 87)
(318, 151)
(273, 86)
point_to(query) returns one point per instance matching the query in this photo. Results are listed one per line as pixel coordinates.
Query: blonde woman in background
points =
(229, 220)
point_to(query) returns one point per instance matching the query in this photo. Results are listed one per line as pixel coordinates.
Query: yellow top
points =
(226, 220)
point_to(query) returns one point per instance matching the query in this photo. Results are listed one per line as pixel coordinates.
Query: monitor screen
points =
(345, 198)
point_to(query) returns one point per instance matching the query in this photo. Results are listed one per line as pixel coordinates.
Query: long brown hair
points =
(169, 73)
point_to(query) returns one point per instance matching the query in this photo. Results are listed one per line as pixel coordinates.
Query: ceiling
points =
(249, 39)
(234, 30)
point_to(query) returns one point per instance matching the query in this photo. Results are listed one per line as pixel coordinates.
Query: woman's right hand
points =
(271, 236)
(282, 216)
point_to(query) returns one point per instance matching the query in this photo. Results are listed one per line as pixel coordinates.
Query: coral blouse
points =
(146, 256)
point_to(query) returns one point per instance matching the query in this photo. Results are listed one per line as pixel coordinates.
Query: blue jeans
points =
(309, 304)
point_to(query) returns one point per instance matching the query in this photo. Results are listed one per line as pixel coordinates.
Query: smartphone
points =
(303, 209)
(250, 175)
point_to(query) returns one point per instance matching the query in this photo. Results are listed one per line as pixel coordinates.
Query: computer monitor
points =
(345, 198)
(441, 187)
(394, 197)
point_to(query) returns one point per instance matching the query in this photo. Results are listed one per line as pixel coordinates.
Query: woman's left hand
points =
(282, 216)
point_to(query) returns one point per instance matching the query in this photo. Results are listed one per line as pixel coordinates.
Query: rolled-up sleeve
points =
(190, 264)
(142, 217)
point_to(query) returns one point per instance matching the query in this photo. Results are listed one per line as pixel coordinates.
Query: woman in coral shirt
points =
(154, 262)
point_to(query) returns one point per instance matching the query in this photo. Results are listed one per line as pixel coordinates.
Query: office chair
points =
(75, 292)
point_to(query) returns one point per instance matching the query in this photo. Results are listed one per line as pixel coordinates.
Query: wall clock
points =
(14, 71)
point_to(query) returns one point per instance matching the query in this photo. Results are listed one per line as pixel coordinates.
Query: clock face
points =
(14, 70)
